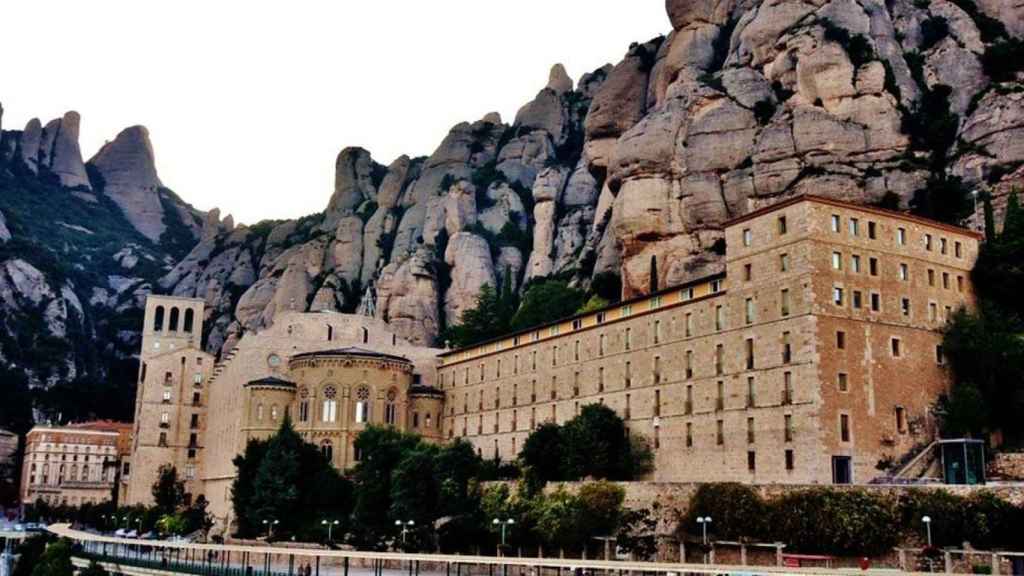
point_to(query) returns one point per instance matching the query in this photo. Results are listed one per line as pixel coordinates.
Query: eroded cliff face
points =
(742, 104)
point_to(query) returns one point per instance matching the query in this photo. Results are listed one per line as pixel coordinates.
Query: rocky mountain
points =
(909, 104)
(901, 103)
(81, 244)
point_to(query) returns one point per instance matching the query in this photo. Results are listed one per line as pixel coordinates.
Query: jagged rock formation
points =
(82, 247)
(744, 103)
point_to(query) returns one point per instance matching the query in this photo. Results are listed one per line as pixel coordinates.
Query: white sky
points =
(249, 102)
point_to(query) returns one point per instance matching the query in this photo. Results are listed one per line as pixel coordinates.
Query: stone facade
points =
(73, 465)
(815, 356)
(333, 374)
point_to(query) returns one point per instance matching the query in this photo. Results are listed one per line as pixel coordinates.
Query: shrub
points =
(840, 522)
(1003, 60)
(933, 30)
(738, 512)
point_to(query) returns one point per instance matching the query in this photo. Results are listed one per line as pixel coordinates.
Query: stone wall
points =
(1007, 466)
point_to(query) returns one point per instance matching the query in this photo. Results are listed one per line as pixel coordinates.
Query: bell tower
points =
(171, 323)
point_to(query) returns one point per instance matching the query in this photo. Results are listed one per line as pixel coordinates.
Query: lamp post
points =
(330, 524)
(405, 526)
(704, 521)
(270, 527)
(928, 526)
(504, 524)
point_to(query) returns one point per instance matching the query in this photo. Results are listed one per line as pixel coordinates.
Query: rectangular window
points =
(600, 379)
(657, 402)
(931, 277)
(945, 280)
(628, 374)
(958, 250)
(782, 225)
(751, 461)
(657, 331)
(835, 223)
(689, 325)
(554, 355)
(787, 388)
(837, 296)
(876, 302)
(840, 340)
(837, 261)
(719, 359)
(749, 311)
(896, 348)
(719, 318)
(855, 263)
(783, 262)
(720, 399)
(748, 237)
(901, 420)
(844, 427)
(600, 345)
(790, 463)
(750, 430)
(787, 349)
(688, 405)
(873, 266)
(904, 272)
(854, 227)
(940, 355)
(689, 435)
(928, 242)
(784, 302)
(943, 245)
(575, 384)
(751, 396)
(657, 369)
(787, 428)
(959, 283)
(858, 300)
(843, 381)
(576, 349)
(905, 306)
(901, 236)
(872, 230)
(747, 272)
(688, 364)
(628, 338)
(720, 432)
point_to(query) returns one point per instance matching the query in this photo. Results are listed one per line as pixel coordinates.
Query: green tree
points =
(839, 522)
(738, 511)
(381, 450)
(637, 535)
(168, 491)
(276, 485)
(29, 553)
(542, 453)
(55, 561)
(600, 508)
(985, 350)
(246, 466)
(557, 519)
(545, 302)
(594, 444)
(998, 274)
(489, 318)
(93, 569)
(963, 413)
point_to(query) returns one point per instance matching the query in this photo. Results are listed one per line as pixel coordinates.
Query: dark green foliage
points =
(782, 93)
(840, 522)
(542, 453)
(764, 110)
(607, 285)
(890, 201)
(738, 511)
(945, 199)
(545, 302)
(593, 444)
(512, 235)
(168, 491)
(637, 534)
(982, 519)
(963, 413)
(93, 569)
(447, 182)
(985, 351)
(482, 178)
(488, 319)
(934, 29)
(55, 561)
(366, 211)
(29, 552)
(1004, 59)
(289, 480)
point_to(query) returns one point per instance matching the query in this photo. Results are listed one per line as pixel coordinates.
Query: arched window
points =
(273, 412)
(158, 319)
(426, 421)
(327, 449)
(259, 412)
(190, 320)
(85, 473)
(330, 406)
(362, 405)
(330, 333)
(172, 324)
(303, 405)
(390, 410)
(366, 335)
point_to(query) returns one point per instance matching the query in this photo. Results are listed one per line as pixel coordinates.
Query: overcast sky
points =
(248, 103)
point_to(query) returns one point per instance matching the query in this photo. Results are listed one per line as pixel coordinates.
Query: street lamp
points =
(504, 524)
(928, 526)
(405, 526)
(704, 521)
(270, 527)
(330, 524)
